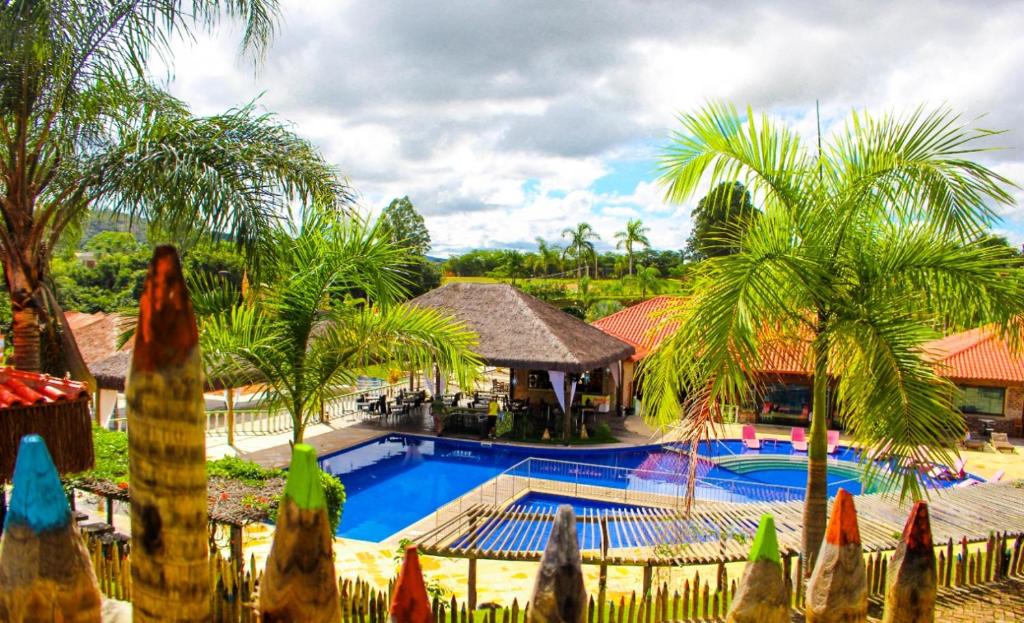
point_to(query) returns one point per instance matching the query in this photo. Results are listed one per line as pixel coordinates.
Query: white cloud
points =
(497, 119)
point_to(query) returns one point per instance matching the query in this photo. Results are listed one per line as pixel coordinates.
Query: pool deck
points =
(275, 450)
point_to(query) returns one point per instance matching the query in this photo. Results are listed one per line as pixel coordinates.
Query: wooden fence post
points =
(558, 594)
(229, 401)
(300, 582)
(471, 581)
(911, 586)
(167, 452)
(409, 601)
(44, 564)
(837, 590)
(762, 595)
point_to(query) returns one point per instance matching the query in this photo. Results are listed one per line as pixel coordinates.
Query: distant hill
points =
(101, 221)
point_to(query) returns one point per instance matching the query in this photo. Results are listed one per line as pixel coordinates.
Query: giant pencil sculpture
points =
(837, 591)
(167, 453)
(911, 581)
(299, 583)
(45, 571)
(558, 593)
(409, 603)
(762, 597)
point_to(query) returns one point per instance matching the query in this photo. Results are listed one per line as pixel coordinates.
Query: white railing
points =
(265, 421)
(270, 421)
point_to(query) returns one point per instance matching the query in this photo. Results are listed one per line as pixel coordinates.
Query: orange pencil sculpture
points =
(410, 604)
(558, 593)
(167, 453)
(761, 596)
(45, 571)
(837, 591)
(911, 582)
(300, 583)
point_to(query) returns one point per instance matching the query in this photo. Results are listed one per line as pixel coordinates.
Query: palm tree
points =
(647, 279)
(634, 234)
(546, 258)
(302, 335)
(866, 249)
(580, 246)
(81, 128)
(514, 264)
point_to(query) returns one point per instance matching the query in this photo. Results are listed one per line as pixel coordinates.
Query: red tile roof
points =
(96, 334)
(977, 355)
(22, 389)
(636, 324)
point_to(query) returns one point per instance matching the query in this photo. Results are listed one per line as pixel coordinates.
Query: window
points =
(981, 400)
(787, 399)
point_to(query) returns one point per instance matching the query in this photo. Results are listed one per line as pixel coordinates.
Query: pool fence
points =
(959, 566)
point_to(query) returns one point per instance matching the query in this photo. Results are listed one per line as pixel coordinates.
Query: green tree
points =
(514, 265)
(581, 247)
(113, 242)
(720, 219)
(406, 226)
(647, 279)
(634, 234)
(864, 250)
(82, 127)
(300, 335)
(547, 258)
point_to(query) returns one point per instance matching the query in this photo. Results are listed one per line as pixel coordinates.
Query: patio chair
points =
(798, 437)
(1001, 442)
(973, 443)
(833, 441)
(750, 439)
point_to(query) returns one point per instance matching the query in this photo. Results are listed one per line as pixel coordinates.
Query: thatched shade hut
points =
(55, 409)
(530, 337)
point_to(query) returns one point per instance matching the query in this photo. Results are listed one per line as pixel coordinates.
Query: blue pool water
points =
(396, 480)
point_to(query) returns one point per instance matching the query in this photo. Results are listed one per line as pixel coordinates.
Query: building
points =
(988, 374)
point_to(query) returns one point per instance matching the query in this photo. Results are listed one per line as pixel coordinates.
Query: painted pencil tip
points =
(766, 544)
(166, 332)
(410, 602)
(842, 525)
(304, 486)
(917, 533)
(37, 499)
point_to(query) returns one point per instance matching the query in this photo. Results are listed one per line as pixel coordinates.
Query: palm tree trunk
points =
(27, 345)
(630, 255)
(816, 496)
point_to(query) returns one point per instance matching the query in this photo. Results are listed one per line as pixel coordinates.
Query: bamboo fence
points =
(959, 564)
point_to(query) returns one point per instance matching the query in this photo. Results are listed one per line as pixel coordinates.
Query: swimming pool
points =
(395, 480)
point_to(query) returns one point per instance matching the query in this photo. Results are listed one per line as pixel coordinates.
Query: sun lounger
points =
(973, 443)
(798, 437)
(970, 482)
(1001, 442)
(750, 439)
(833, 441)
(944, 473)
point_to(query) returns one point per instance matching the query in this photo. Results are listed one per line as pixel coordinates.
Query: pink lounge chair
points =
(833, 441)
(944, 473)
(750, 439)
(970, 482)
(798, 437)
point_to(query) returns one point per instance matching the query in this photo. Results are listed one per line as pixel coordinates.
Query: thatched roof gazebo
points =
(519, 331)
(523, 333)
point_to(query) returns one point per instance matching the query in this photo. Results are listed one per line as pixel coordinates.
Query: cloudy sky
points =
(504, 121)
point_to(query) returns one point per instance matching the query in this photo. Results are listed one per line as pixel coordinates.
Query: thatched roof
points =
(519, 331)
(111, 373)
